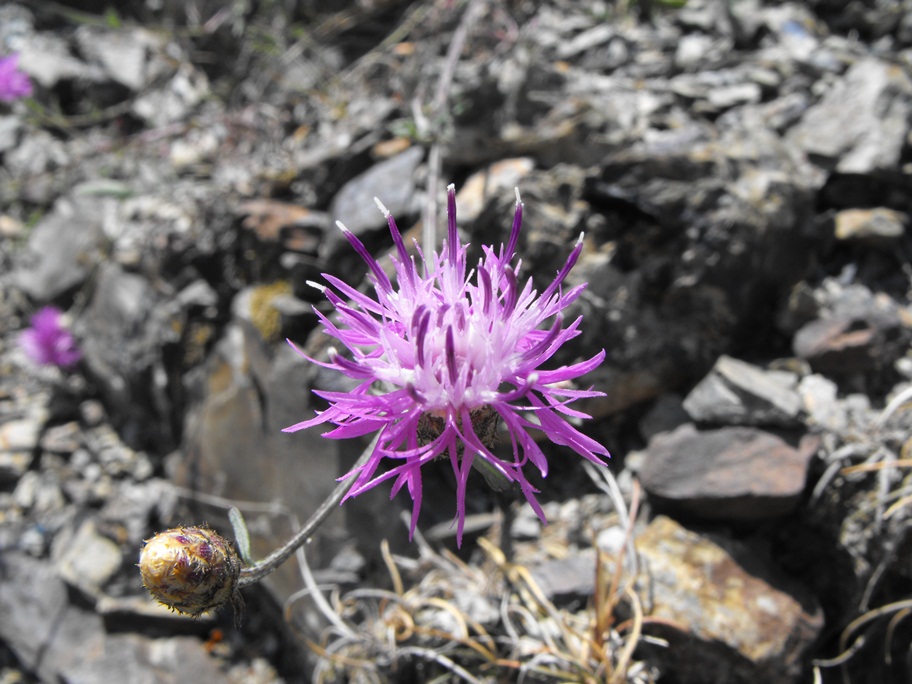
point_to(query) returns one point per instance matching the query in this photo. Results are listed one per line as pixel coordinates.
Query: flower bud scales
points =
(190, 569)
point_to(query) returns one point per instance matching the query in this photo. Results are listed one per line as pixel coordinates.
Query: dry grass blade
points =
(901, 400)
(899, 610)
(876, 467)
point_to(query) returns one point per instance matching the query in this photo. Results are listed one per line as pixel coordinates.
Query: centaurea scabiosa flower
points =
(48, 342)
(444, 356)
(13, 82)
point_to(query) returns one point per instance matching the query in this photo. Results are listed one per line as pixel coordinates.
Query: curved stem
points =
(256, 572)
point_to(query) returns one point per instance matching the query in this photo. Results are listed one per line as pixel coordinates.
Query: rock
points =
(736, 94)
(855, 331)
(860, 124)
(295, 227)
(63, 249)
(819, 396)
(40, 494)
(730, 618)
(569, 580)
(123, 332)
(585, 41)
(18, 440)
(665, 414)
(197, 148)
(739, 393)
(692, 50)
(88, 560)
(731, 474)
(235, 449)
(496, 180)
(140, 659)
(125, 514)
(175, 100)
(61, 642)
(392, 181)
(62, 439)
(46, 58)
(123, 54)
(878, 226)
(34, 602)
(10, 127)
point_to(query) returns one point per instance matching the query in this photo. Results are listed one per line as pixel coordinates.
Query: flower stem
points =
(256, 572)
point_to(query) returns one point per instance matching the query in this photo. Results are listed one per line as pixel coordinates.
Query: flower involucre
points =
(445, 355)
(190, 569)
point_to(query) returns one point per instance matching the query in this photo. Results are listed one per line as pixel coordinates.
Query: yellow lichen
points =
(263, 313)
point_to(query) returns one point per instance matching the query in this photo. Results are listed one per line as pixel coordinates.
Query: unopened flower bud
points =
(190, 569)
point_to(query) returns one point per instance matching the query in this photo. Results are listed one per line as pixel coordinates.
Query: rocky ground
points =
(742, 175)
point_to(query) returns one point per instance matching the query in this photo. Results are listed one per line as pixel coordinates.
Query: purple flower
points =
(47, 342)
(13, 83)
(443, 358)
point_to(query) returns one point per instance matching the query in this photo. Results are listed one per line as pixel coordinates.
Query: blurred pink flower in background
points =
(48, 342)
(13, 82)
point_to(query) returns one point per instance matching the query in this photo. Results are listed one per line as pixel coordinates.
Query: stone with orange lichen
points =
(735, 616)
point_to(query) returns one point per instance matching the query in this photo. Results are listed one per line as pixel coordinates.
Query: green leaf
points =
(112, 19)
(241, 535)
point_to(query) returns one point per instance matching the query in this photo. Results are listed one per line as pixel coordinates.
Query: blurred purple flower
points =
(443, 358)
(13, 82)
(47, 342)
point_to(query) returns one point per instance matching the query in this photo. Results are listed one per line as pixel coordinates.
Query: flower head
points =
(47, 342)
(190, 569)
(444, 356)
(13, 82)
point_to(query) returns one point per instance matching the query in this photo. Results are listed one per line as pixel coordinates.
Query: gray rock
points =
(248, 391)
(175, 100)
(135, 658)
(739, 393)
(46, 58)
(567, 579)
(666, 414)
(33, 600)
(820, 397)
(123, 331)
(732, 474)
(854, 331)
(87, 559)
(39, 493)
(587, 40)
(132, 505)
(63, 249)
(10, 127)
(123, 54)
(391, 181)
(61, 642)
(860, 124)
(19, 437)
(39, 159)
(62, 439)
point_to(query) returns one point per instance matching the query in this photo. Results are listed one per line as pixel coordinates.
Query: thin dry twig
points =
(438, 104)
